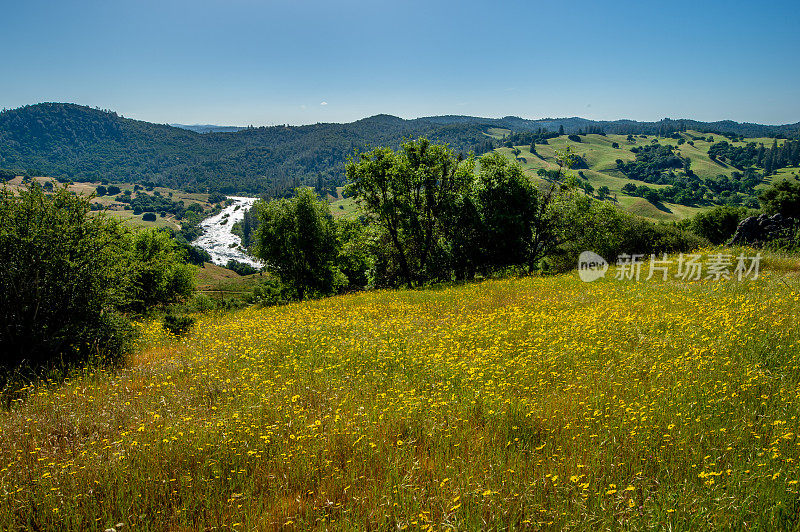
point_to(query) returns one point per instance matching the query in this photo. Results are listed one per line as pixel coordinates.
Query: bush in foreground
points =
(70, 278)
(718, 224)
(610, 232)
(59, 282)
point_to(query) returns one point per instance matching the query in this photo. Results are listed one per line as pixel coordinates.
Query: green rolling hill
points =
(600, 155)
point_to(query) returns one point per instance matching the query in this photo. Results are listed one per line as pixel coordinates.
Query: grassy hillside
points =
(118, 209)
(221, 283)
(518, 403)
(574, 124)
(601, 156)
(497, 133)
(342, 207)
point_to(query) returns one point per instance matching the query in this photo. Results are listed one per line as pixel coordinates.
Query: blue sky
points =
(267, 62)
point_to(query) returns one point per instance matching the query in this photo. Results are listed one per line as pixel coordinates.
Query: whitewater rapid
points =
(218, 239)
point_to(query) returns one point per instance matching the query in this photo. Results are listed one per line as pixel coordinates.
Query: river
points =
(217, 238)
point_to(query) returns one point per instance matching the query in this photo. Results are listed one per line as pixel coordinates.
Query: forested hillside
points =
(74, 142)
(69, 141)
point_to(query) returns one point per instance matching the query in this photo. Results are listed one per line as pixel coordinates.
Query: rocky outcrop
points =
(759, 230)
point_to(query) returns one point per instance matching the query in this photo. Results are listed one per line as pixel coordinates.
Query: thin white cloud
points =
(324, 103)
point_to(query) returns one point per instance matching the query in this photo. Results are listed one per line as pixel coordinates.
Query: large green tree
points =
(521, 222)
(506, 202)
(410, 193)
(297, 240)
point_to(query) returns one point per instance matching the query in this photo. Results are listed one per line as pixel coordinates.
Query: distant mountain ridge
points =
(623, 126)
(209, 128)
(70, 141)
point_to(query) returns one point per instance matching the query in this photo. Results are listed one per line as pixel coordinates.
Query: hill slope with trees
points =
(664, 178)
(73, 142)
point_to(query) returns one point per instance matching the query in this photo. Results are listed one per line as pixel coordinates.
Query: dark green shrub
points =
(195, 255)
(201, 303)
(610, 232)
(241, 268)
(718, 224)
(157, 272)
(178, 325)
(782, 197)
(271, 292)
(651, 196)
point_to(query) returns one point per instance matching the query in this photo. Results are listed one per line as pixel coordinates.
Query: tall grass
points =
(516, 403)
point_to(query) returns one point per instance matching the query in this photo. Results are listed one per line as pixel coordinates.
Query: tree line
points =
(750, 155)
(431, 216)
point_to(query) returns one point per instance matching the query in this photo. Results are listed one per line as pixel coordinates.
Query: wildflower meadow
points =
(536, 402)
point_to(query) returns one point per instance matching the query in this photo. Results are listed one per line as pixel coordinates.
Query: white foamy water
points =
(217, 238)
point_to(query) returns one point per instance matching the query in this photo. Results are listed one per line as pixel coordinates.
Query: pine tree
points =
(795, 158)
(769, 163)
